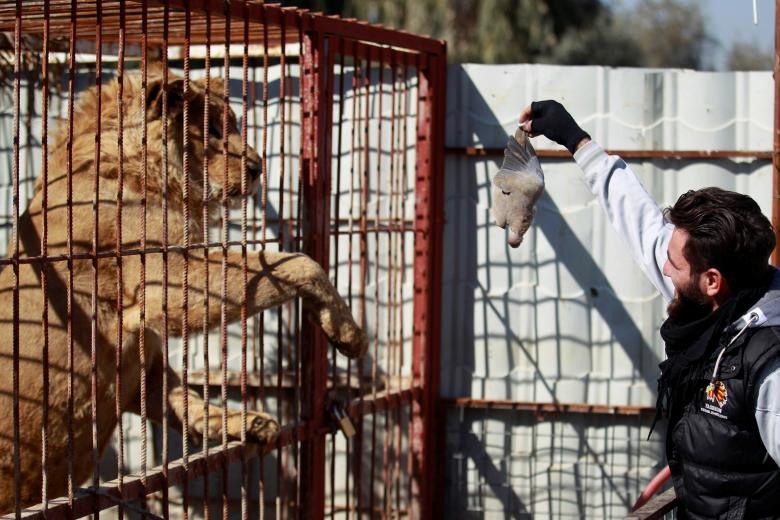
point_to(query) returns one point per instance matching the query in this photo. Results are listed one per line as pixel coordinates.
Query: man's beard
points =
(689, 303)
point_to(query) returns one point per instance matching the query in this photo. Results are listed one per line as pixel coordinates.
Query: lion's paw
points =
(261, 427)
(351, 342)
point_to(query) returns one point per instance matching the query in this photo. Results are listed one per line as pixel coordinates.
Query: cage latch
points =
(341, 419)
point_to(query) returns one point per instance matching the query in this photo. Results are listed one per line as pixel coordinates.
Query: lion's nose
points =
(254, 169)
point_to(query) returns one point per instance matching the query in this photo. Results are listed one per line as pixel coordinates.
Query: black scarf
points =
(690, 341)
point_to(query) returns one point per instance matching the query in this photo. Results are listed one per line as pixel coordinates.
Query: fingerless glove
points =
(550, 119)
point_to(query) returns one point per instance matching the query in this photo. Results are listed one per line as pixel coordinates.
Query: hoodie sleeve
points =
(630, 210)
(768, 408)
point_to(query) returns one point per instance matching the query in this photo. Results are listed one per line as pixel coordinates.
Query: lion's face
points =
(221, 149)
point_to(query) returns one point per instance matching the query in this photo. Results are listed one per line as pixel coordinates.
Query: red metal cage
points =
(346, 120)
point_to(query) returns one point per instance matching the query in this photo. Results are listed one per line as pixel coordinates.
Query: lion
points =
(120, 313)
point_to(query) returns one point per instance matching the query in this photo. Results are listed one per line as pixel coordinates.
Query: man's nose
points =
(665, 270)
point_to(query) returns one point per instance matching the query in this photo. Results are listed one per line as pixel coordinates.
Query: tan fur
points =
(273, 278)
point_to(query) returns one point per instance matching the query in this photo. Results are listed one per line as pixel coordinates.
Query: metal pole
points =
(316, 128)
(776, 141)
(426, 423)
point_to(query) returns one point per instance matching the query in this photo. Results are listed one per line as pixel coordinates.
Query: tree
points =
(658, 33)
(670, 33)
(485, 31)
(749, 56)
(605, 42)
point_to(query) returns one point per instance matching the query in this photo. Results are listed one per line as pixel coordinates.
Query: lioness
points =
(274, 277)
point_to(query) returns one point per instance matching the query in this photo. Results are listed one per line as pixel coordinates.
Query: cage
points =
(196, 197)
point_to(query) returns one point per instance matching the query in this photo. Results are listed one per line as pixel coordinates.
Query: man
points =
(720, 384)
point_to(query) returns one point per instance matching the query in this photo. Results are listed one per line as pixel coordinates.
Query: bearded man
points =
(719, 388)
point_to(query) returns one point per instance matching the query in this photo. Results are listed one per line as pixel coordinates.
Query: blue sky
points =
(730, 21)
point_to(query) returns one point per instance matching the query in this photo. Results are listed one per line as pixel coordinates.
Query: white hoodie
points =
(641, 224)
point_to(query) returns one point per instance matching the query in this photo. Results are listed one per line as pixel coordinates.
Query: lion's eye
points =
(506, 192)
(215, 129)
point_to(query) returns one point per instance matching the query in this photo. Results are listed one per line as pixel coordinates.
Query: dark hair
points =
(726, 231)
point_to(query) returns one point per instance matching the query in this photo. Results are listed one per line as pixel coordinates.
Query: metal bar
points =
(297, 413)
(409, 101)
(283, 107)
(353, 154)
(391, 271)
(475, 151)
(428, 227)
(44, 252)
(132, 487)
(165, 271)
(422, 250)
(435, 448)
(114, 253)
(364, 159)
(371, 406)
(375, 358)
(283, 383)
(776, 142)
(316, 125)
(205, 227)
(542, 409)
(347, 28)
(120, 290)
(71, 99)
(95, 247)
(142, 258)
(403, 100)
(223, 357)
(339, 50)
(656, 508)
(17, 449)
(185, 293)
(245, 279)
(260, 320)
(320, 24)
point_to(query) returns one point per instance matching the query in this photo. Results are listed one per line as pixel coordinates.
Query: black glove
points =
(550, 119)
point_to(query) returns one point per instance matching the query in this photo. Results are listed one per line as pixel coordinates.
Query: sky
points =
(732, 20)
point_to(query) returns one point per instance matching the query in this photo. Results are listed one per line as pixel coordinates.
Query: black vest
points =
(720, 467)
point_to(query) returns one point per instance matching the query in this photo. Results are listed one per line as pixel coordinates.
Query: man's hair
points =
(726, 231)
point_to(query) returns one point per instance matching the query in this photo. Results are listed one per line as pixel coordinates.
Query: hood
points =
(766, 311)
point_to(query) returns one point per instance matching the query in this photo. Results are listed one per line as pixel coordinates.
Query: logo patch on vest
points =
(716, 393)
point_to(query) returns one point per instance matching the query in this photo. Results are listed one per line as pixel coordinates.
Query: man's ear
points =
(714, 284)
(154, 96)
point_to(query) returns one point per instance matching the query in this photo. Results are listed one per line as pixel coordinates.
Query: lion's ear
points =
(215, 87)
(154, 96)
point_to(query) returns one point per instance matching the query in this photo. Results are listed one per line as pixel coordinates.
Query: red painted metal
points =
(625, 154)
(317, 82)
(543, 409)
(656, 508)
(185, 294)
(431, 73)
(15, 254)
(652, 487)
(391, 406)
(44, 252)
(132, 488)
(776, 142)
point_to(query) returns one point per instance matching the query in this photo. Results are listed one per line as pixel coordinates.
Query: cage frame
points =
(320, 32)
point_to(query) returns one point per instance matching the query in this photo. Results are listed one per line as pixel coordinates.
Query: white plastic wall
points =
(568, 317)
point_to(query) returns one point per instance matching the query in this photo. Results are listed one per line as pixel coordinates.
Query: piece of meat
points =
(517, 186)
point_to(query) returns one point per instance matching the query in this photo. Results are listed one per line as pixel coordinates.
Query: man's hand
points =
(551, 120)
